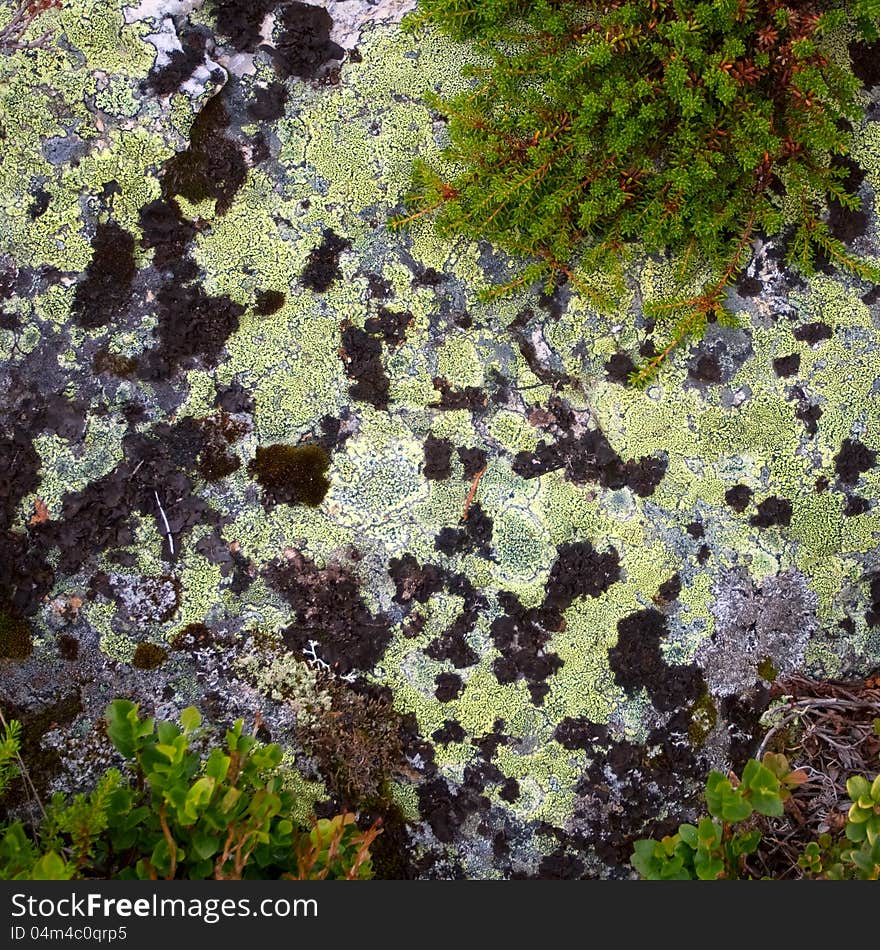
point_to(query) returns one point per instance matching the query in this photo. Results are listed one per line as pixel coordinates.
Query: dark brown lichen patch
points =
(322, 265)
(19, 473)
(438, 458)
(637, 662)
(847, 224)
(473, 536)
(169, 234)
(853, 459)
(772, 511)
(590, 458)
(16, 640)
(193, 636)
(522, 643)
(212, 167)
(268, 102)
(267, 302)
(865, 58)
(448, 686)
(192, 327)
(813, 333)
(149, 656)
(241, 20)
(303, 47)
(704, 718)
(470, 397)
(362, 355)
(331, 617)
(619, 368)
(389, 325)
(68, 647)
(182, 63)
(738, 497)
(787, 365)
(578, 571)
(105, 290)
(292, 474)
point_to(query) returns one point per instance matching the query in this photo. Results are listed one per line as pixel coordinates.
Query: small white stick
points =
(167, 526)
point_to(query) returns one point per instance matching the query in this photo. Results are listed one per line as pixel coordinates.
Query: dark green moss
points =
(295, 474)
(704, 716)
(16, 642)
(766, 670)
(149, 656)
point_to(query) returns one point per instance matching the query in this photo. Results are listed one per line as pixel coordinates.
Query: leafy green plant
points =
(688, 127)
(223, 816)
(717, 846)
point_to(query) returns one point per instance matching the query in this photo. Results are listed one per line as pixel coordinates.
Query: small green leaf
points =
(190, 719)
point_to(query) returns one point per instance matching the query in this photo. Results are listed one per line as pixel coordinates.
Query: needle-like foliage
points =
(688, 128)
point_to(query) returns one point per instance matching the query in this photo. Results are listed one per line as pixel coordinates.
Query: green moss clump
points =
(295, 474)
(704, 716)
(16, 641)
(149, 656)
(766, 670)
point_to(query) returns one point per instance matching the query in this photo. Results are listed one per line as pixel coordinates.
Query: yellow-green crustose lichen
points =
(340, 161)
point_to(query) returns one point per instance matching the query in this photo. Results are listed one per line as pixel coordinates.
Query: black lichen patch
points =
(322, 265)
(706, 369)
(696, 530)
(451, 731)
(473, 461)
(522, 642)
(446, 810)
(19, 473)
(590, 458)
(449, 686)
(471, 397)
(16, 640)
(362, 355)
(772, 511)
(813, 333)
(68, 647)
(303, 47)
(579, 733)
(809, 413)
(619, 368)
(452, 644)
(292, 474)
(149, 656)
(268, 102)
(474, 535)
(328, 609)
(40, 205)
(668, 591)
(856, 506)
(193, 636)
(852, 460)
(182, 63)
(241, 20)
(637, 661)
(748, 286)
(267, 302)
(154, 469)
(578, 571)
(104, 292)
(169, 234)
(389, 325)
(865, 58)
(192, 327)
(414, 582)
(787, 365)
(738, 497)
(212, 167)
(438, 458)
(847, 224)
